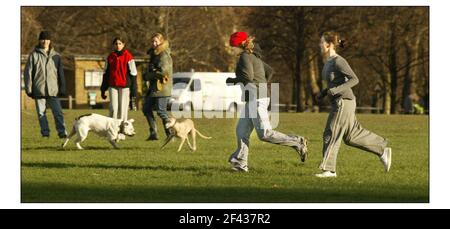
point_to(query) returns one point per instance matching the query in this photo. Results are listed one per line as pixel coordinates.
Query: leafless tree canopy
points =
(387, 47)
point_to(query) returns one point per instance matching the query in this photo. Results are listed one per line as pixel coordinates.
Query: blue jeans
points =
(55, 105)
(158, 104)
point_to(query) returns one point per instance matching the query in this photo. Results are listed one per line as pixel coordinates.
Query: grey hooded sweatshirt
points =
(44, 74)
(252, 72)
(340, 78)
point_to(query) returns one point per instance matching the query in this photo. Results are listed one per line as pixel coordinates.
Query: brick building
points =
(83, 82)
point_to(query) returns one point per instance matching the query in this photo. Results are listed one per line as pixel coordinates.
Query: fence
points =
(293, 107)
(70, 100)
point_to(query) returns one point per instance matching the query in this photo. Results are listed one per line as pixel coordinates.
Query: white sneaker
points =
(303, 150)
(326, 174)
(237, 166)
(240, 169)
(386, 158)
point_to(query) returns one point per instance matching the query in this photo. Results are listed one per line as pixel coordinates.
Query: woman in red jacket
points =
(120, 78)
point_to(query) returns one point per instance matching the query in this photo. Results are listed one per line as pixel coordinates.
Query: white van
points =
(204, 91)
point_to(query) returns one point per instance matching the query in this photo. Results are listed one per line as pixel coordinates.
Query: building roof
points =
(101, 58)
(23, 58)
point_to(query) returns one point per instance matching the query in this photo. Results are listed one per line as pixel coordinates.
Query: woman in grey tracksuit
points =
(252, 73)
(342, 123)
(44, 81)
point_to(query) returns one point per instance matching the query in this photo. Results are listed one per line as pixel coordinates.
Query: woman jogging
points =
(119, 78)
(253, 73)
(342, 123)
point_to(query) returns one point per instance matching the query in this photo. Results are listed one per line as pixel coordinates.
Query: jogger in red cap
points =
(253, 74)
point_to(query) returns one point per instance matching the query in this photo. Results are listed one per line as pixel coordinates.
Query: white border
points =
(10, 133)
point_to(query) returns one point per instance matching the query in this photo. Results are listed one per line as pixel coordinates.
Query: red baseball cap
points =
(237, 38)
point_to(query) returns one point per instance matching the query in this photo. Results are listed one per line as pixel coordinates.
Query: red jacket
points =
(118, 68)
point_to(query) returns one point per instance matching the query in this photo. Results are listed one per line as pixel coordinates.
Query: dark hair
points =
(333, 37)
(118, 39)
(44, 35)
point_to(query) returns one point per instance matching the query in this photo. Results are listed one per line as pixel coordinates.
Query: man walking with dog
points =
(159, 76)
(44, 82)
(253, 73)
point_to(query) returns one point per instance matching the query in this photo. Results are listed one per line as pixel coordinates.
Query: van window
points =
(180, 83)
(195, 85)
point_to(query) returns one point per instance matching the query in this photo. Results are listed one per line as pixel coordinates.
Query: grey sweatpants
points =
(258, 119)
(119, 101)
(342, 124)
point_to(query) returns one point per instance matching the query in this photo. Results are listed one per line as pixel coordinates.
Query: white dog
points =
(182, 130)
(113, 129)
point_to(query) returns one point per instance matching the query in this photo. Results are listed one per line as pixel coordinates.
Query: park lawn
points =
(140, 172)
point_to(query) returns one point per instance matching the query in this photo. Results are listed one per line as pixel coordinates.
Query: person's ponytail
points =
(341, 43)
(334, 38)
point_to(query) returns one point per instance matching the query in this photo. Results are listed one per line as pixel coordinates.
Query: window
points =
(93, 78)
(180, 83)
(195, 85)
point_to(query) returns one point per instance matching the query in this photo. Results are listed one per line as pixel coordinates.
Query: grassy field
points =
(140, 172)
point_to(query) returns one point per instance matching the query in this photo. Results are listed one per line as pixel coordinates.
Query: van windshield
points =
(180, 83)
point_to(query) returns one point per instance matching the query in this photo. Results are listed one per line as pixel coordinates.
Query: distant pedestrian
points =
(342, 122)
(44, 82)
(253, 73)
(120, 79)
(159, 76)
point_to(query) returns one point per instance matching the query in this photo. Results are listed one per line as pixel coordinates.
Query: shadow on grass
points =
(33, 192)
(167, 168)
(48, 148)
(69, 149)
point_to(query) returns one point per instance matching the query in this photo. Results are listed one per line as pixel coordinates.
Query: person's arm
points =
(105, 81)
(133, 74)
(28, 76)
(268, 71)
(343, 67)
(149, 74)
(164, 66)
(133, 87)
(61, 78)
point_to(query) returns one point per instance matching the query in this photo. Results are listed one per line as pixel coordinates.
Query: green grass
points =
(140, 172)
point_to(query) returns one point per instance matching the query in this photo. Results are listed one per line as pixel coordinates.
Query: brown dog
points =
(182, 130)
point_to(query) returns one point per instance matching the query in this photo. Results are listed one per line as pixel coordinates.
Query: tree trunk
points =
(415, 68)
(166, 23)
(298, 59)
(409, 87)
(303, 98)
(312, 74)
(298, 82)
(407, 82)
(294, 93)
(313, 87)
(424, 70)
(387, 94)
(393, 68)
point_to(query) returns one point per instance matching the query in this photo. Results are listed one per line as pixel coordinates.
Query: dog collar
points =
(122, 128)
